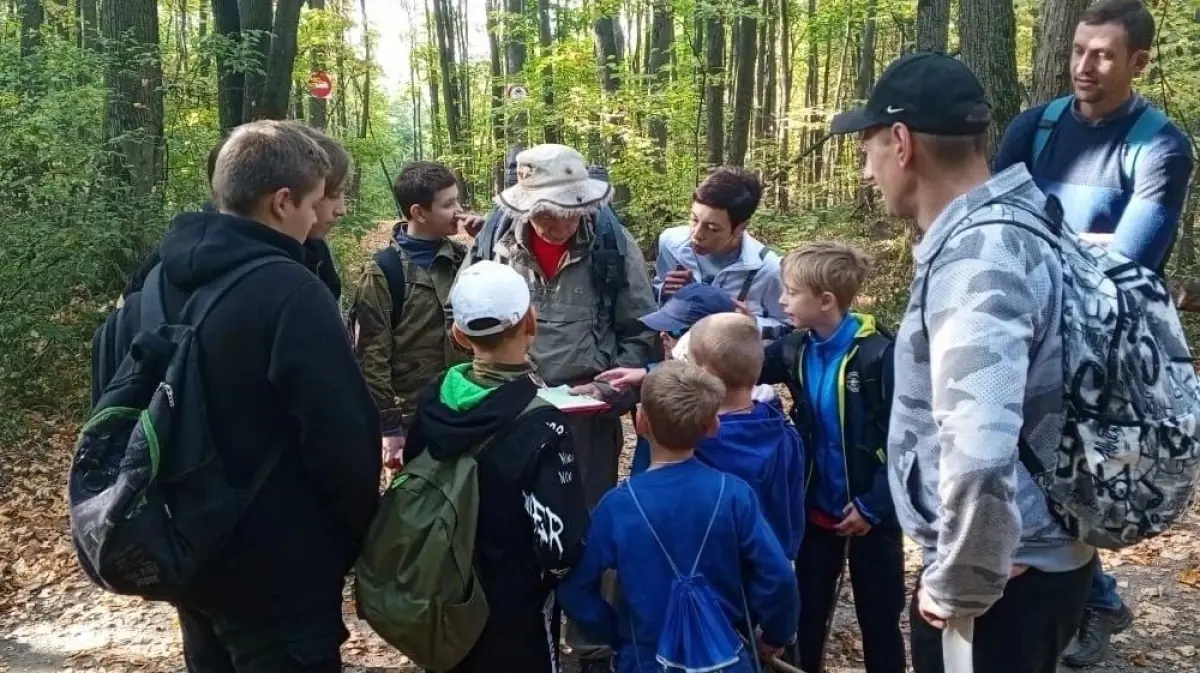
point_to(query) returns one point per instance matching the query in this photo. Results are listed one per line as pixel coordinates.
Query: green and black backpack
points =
(150, 503)
(415, 582)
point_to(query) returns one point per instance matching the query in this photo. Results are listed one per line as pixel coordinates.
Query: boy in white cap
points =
(532, 517)
(590, 287)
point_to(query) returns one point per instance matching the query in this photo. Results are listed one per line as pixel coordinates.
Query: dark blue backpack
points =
(150, 502)
(696, 636)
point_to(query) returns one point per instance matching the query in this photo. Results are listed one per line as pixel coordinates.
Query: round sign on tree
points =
(517, 92)
(320, 85)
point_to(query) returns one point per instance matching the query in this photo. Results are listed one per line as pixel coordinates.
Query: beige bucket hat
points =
(553, 179)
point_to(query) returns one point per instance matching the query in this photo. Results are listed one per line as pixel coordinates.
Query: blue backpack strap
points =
(1148, 124)
(1050, 116)
(205, 298)
(703, 541)
(392, 266)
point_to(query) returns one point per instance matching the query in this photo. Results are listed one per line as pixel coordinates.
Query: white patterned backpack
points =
(1129, 459)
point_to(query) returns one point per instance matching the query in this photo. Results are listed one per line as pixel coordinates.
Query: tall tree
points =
(609, 51)
(256, 16)
(231, 82)
(662, 42)
(988, 31)
(1052, 56)
(133, 110)
(89, 22)
(281, 60)
(866, 60)
(747, 52)
(515, 51)
(33, 15)
(552, 127)
(497, 77)
(318, 107)
(933, 24)
(445, 21)
(714, 96)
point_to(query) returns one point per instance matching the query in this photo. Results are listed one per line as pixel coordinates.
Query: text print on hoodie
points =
(990, 370)
(532, 517)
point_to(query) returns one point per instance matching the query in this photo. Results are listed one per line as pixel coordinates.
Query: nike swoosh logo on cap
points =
(893, 110)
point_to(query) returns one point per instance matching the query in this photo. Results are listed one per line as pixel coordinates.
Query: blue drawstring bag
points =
(696, 636)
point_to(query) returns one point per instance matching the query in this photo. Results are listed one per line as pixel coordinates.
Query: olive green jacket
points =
(576, 340)
(398, 363)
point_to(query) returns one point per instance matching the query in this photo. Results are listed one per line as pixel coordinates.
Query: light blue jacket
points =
(675, 248)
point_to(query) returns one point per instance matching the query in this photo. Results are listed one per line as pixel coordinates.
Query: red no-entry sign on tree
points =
(319, 85)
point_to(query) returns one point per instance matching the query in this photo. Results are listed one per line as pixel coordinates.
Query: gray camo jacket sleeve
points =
(980, 315)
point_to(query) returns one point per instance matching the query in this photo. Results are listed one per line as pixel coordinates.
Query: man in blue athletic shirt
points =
(1121, 171)
(1119, 167)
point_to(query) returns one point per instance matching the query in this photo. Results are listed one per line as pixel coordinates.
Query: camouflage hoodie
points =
(990, 370)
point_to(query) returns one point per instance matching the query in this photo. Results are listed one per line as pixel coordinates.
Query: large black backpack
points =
(150, 502)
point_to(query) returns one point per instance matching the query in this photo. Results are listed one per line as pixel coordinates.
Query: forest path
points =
(52, 619)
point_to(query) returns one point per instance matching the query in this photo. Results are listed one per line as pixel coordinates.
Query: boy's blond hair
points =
(680, 402)
(827, 267)
(729, 345)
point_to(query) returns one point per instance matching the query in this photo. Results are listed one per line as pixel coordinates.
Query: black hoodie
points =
(532, 517)
(278, 372)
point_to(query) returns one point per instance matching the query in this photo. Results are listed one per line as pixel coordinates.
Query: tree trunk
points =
(933, 24)
(782, 189)
(811, 91)
(552, 128)
(88, 23)
(256, 16)
(866, 60)
(447, 63)
(435, 105)
(133, 110)
(277, 87)
(608, 49)
(318, 113)
(1052, 55)
(497, 75)
(230, 84)
(744, 100)
(987, 29)
(515, 52)
(662, 42)
(33, 15)
(364, 125)
(202, 32)
(714, 97)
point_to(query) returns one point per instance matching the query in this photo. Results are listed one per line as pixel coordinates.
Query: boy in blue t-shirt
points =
(838, 366)
(717, 526)
(755, 441)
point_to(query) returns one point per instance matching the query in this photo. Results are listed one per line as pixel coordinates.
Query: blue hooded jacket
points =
(763, 448)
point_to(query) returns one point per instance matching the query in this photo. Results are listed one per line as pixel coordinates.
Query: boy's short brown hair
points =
(827, 267)
(262, 157)
(729, 345)
(340, 163)
(680, 402)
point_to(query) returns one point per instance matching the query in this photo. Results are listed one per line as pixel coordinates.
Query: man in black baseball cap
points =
(979, 346)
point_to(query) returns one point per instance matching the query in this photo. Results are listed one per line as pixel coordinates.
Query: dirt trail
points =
(52, 619)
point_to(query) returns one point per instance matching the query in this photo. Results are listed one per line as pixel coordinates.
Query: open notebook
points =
(562, 398)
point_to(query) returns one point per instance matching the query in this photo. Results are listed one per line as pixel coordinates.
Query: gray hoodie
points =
(990, 370)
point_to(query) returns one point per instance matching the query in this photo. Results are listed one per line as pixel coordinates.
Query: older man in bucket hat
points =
(590, 286)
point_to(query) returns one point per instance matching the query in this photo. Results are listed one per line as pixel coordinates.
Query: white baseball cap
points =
(488, 298)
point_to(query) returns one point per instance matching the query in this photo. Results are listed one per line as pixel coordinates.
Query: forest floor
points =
(52, 619)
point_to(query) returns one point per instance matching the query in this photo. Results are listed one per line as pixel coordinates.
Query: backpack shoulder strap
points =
(1148, 124)
(791, 352)
(392, 266)
(1052, 218)
(204, 299)
(493, 228)
(748, 281)
(1050, 116)
(153, 299)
